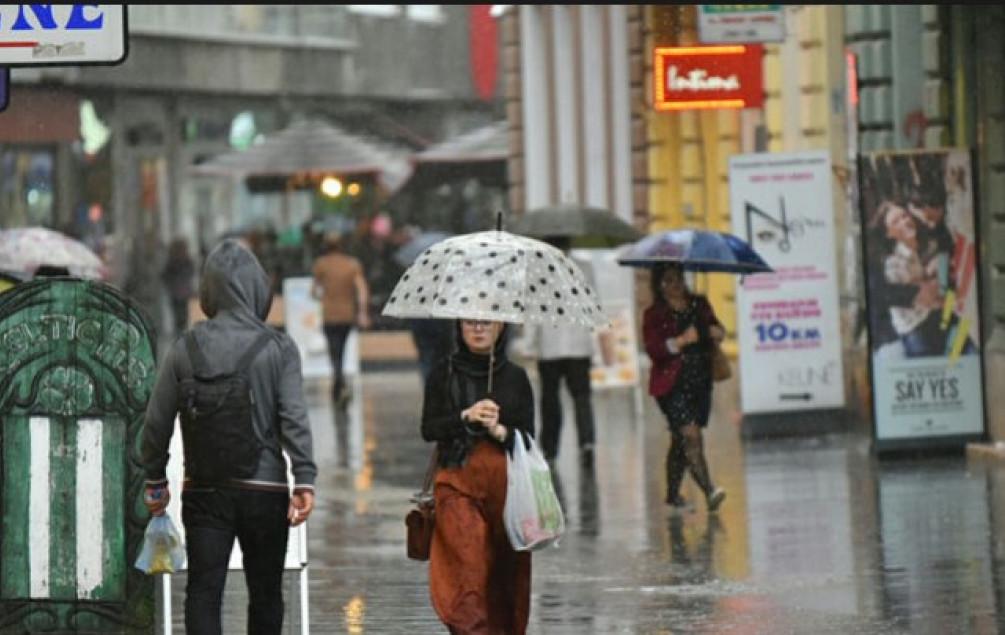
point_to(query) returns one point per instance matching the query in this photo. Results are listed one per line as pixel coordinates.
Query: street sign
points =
(708, 77)
(62, 35)
(4, 88)
(740, 23)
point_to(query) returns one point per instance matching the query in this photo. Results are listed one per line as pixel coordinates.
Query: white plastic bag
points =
(533, 514)
(163, 551)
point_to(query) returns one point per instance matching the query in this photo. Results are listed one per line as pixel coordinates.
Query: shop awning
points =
(312, 149)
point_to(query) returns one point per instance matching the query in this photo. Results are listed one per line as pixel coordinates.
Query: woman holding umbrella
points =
(680, 330)
(478, 583)
(475, 400)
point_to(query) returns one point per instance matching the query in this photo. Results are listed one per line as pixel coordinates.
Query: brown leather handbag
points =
(421, 520)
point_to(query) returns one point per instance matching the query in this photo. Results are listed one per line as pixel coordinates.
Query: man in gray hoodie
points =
(234, 293)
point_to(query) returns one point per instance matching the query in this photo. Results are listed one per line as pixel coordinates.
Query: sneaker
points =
(676, 501)
(715, 499)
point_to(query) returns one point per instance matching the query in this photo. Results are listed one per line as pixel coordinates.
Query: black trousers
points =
(213, 519)
(337, 334)
(576, 371)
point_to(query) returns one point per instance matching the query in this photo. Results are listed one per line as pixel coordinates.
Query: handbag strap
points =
(427, 483)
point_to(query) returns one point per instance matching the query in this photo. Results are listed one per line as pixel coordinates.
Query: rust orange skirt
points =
(477, 582)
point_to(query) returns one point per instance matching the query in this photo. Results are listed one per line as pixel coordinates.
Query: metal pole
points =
(166, 602)
(305, 625)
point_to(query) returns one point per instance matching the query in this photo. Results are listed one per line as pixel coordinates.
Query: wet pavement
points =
(815, 536)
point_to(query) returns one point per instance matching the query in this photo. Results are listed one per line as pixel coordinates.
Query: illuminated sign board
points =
(708, 77)
(62, 34)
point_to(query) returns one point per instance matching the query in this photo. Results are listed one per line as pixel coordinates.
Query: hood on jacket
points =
(233, 280)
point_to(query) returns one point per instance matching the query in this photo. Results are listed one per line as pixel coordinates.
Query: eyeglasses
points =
(475, 324)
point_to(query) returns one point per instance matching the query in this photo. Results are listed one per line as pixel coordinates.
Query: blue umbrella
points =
(695, 250)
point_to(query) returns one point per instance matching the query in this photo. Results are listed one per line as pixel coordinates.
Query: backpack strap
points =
(196, 360)
(256, 347)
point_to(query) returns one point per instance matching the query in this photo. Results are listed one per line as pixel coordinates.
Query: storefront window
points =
(26, 186)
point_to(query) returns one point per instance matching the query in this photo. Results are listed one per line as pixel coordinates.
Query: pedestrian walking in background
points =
(178, 274)
(563, 351)
(340, 285)
(237, 384)
(433, 340)
(478, 582)
(680, 330)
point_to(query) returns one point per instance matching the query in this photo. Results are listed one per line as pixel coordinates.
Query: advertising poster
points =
(788, 322)
(302, 316)
(920, 252)
(615, 350)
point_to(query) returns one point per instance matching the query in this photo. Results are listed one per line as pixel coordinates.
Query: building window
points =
(27, 186)
(378, 10)
(432, 13)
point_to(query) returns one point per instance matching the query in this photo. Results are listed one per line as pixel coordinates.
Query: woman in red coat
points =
(680, 331)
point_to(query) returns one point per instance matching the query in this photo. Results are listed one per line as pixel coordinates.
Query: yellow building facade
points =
(687, 152)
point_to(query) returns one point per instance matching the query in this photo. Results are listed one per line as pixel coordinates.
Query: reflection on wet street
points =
(815, 536)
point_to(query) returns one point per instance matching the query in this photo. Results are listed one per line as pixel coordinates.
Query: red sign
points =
(696, 77)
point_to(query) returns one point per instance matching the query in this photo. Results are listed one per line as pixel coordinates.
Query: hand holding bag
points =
(163, 551)
(421, 520)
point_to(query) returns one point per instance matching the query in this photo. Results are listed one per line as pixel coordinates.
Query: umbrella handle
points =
(492, 360)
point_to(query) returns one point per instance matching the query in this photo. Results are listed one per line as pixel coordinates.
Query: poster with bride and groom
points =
(922, 282)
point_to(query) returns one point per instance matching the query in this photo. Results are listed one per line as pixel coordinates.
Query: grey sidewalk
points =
(814, 537)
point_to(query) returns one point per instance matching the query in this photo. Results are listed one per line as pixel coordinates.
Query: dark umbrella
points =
(694, 250)
(586, 226)
(408, 252)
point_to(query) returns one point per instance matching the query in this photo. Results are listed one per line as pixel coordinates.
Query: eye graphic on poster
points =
(920, 252)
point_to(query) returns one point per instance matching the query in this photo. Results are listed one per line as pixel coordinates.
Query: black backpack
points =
(218, 432)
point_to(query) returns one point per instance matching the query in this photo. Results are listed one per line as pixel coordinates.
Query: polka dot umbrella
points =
(495, 275)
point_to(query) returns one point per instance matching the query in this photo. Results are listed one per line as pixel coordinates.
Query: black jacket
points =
(452, 387)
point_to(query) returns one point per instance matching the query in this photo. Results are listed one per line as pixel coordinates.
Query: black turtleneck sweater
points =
(443, 403)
